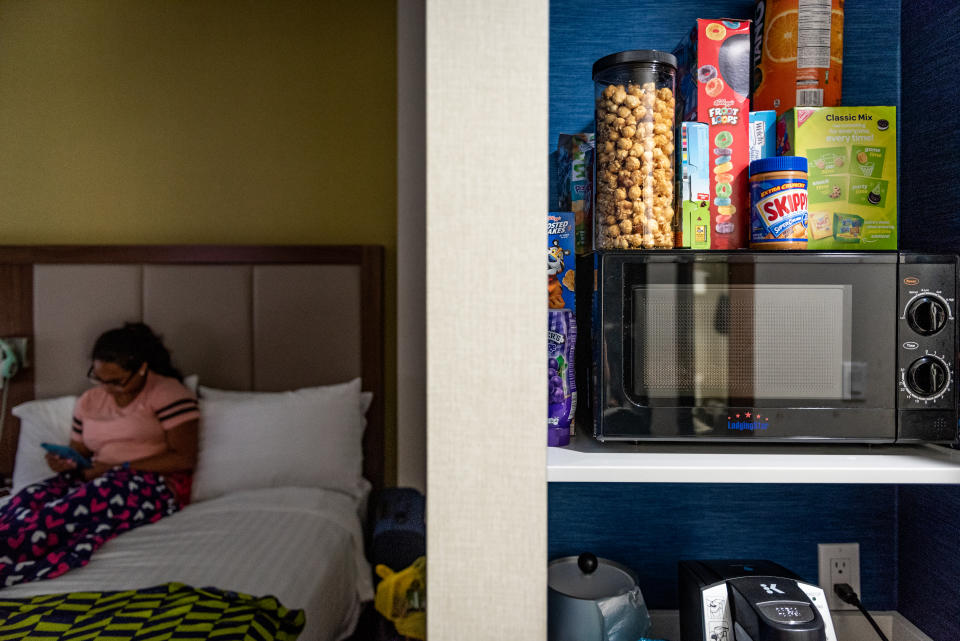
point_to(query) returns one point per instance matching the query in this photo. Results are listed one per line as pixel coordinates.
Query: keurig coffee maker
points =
(737, 600)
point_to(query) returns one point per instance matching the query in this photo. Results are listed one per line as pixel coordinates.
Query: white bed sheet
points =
(301, 545)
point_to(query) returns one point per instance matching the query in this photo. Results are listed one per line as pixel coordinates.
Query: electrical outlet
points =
(839, 563)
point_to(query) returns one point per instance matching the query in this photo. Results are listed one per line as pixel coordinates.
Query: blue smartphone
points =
(68, 453)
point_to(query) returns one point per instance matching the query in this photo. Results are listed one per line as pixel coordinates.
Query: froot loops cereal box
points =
(852, 168)
(713, 87)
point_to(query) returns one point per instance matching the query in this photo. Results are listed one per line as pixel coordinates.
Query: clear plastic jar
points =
(635, 117)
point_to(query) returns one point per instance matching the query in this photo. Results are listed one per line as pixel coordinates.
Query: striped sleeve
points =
(174, 404)
(79, 413)
(177, 412)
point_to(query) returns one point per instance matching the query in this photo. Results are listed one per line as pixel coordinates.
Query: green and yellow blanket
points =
(171, 611)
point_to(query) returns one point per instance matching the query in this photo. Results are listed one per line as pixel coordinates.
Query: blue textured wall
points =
(909, 555)
(929, 517)
(930, 128)
(929, 559)
(651, 526)
(582, 31)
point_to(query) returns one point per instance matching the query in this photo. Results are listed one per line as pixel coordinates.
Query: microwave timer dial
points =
(927, 378)
(927, 313)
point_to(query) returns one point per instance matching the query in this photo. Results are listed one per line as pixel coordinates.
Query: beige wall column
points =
(487, 74)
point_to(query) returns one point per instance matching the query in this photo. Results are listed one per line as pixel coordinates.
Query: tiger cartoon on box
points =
(555, 267)
(560, 261)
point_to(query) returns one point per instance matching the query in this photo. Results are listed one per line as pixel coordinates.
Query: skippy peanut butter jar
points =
(713, 87)
(778, 203)
(851, 157)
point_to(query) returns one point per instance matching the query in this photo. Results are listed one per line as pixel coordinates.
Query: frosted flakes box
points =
(713, 87)
(694, 186)
(852, 169)
(575, 185)
(561, 261)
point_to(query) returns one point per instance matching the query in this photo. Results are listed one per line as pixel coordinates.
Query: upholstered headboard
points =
(262, 318)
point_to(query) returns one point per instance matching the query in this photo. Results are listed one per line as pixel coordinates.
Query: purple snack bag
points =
(562, 386)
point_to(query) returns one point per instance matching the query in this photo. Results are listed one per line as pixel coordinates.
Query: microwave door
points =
(757, 349)
(738, 345)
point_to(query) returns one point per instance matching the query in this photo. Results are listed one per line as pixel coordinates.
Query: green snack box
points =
(829, 190)
(852, 168)
(827, 161)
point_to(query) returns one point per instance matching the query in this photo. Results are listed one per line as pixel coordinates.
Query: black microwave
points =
(768, 346)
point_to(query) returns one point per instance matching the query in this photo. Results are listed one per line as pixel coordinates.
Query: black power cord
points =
(847, 595)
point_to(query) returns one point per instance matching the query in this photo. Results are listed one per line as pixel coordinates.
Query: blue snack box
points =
(763, 134)
(560, 260)
(575, 167)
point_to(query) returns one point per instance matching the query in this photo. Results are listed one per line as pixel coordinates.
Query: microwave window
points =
(751, 341)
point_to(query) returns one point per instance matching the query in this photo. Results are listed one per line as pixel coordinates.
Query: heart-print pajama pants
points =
(53, 526)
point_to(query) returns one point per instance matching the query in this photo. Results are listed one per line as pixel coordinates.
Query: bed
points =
(286, 336)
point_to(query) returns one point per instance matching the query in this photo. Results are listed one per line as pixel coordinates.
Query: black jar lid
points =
(632, 57)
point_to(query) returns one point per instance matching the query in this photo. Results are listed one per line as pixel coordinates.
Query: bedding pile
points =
(54, 526)
(302, 545)
(169, 611)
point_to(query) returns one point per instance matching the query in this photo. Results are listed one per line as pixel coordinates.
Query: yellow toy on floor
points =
(402, 598)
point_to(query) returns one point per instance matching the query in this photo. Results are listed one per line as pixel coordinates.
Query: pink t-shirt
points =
(125, 434)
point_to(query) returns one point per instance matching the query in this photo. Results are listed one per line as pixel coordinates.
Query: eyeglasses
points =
(93, 378)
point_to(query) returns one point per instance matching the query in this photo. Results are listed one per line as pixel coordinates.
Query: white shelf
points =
(849, 626)
(588, 460)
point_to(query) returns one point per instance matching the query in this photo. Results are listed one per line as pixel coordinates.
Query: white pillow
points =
(304, 438)
(41, 421)
(48, 421)
(191, 382)
(214, 394)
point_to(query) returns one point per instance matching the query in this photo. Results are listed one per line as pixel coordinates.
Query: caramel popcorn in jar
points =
(634, 154)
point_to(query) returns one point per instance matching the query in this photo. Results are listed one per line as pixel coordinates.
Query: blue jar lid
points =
(779, 163)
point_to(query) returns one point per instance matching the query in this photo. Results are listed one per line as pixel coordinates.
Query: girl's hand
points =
(98, 469)
(59, 464)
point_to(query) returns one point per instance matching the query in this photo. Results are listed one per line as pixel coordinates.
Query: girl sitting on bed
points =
(138, 427)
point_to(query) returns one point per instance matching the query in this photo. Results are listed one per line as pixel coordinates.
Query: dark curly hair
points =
(133, 345)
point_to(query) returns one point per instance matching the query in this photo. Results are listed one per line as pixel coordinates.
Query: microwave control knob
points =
(927, 376)
(927, 315)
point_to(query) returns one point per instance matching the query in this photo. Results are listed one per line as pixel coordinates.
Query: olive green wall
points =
(201, 121)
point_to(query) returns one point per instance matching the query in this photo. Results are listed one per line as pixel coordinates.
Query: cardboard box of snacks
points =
(561, 262)
(852, 169)
(575, 185)
(713, 87)
(694, 188)
(763, 134)
(797, 54)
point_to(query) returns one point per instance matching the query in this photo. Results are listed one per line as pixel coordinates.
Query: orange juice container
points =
(797, 54)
